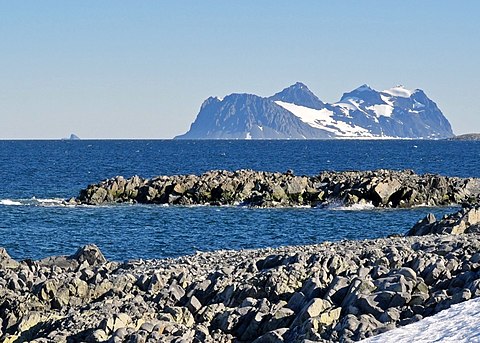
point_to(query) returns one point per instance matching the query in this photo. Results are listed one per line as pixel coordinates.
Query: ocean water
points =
(36, 174)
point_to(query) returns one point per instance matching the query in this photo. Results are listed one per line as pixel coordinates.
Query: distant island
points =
(73, 137)
(297, 113)
(467, 137)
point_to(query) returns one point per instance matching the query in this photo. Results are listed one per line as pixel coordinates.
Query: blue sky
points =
(141, 69)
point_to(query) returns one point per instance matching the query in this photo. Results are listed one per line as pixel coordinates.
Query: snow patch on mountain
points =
(324, 120)
(381, 110)
(399, 91)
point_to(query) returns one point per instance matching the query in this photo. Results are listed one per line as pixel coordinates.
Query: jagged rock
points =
(384, 190)
(91, 254)
(466, 220)
(6, 262)
(313, 308)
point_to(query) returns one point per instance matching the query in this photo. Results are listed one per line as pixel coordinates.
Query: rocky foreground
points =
(382, 188)
(341, 291)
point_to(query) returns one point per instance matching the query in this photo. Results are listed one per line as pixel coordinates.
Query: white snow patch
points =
(219, 98)
(458, 324)
(248, 135)
(345, 106)
(381, 110)
(387, 100)
(399, 91)
(417, 105)
(260, 127)
(354, 105)
(323, 119)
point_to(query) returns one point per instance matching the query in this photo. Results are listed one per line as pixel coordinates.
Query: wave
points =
(9, 202)
(54, 202)
(338, 206)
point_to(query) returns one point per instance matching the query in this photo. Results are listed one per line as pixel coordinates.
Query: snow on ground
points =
(460, 323)
(323, 119)
(345, 107)
(399, 91)
(381, 110)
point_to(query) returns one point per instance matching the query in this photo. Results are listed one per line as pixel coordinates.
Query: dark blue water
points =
(33, 173)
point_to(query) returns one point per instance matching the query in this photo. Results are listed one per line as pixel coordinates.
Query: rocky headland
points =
(343, 291)
(381, 188)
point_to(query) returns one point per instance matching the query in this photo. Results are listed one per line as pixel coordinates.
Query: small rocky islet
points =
(380, 188)
(334, 291)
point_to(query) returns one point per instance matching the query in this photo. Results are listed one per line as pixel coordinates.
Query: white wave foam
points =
(48, 202)
(34, 202)
(354, 207)
(8, 202)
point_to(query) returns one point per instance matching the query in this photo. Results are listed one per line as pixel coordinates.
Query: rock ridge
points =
(381, 188)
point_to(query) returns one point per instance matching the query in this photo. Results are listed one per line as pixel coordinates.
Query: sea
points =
(37, 175)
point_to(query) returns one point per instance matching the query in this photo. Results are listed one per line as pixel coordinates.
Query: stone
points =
(6, 262)
(330, 317)
(297, 301)
(193, 305)
(369, 305)
(275, 336)
(91, 254)
(338, 289)
(312, 309)
(181, 315)
(384, 190)
(100, 335)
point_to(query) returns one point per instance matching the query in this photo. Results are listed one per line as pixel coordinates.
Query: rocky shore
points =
(382, 188)
(343, 291)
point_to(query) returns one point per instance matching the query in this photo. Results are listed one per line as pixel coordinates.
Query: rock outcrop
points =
(342, 291)
(382, 188)
(466, 220)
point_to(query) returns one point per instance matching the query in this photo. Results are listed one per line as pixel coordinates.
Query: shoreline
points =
(346, 290)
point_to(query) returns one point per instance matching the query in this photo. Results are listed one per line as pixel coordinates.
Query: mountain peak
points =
(363, 88)
(299, 85)
(364, 93)
(299, 94)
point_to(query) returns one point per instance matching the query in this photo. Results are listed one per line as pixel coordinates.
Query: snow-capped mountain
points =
(297, 113)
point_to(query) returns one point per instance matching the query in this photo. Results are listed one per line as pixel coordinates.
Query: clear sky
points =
(141, 69)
